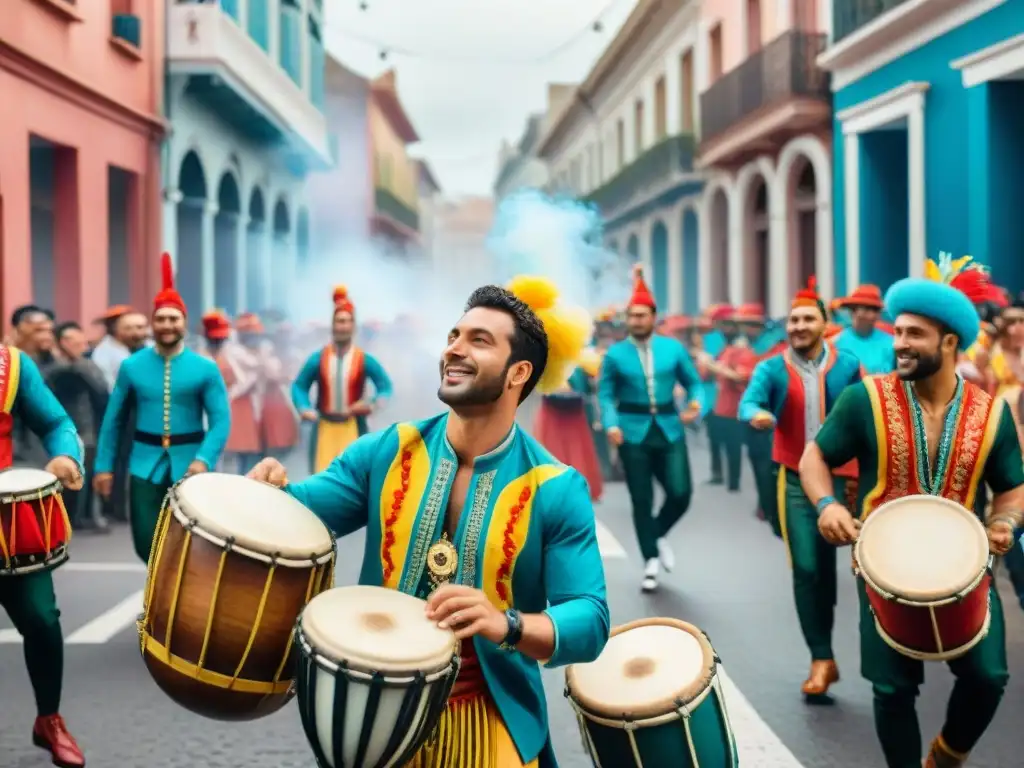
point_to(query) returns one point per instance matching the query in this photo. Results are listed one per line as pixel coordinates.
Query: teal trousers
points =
(31, 604)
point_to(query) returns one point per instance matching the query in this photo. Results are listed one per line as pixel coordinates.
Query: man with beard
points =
(637, 395)
(791, 394)
(340, 370)
(33, 335)
(863, 338)
(173, 389)
(960, 436)
(469, 512)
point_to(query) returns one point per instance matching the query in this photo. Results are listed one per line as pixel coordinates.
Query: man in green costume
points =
(933, 319)
(636, 392)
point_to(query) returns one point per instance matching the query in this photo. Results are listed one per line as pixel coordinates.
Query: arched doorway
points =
(633, 248)
(803, 223)
(302, 244)
(225, 244)
(659, 265)
(754, 216)
(256, 253)
(191, 210)
(718, 234)
(282, 258)
(691, 261)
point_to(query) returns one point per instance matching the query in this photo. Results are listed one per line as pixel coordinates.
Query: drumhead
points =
(377, 630)
(19, 480)
(645, 667)
(259, 517)
(922, 548)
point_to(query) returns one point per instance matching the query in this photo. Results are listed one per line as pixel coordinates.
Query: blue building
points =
(928, 147)
(245, 98)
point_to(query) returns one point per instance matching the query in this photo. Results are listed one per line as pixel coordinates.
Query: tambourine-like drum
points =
(374, 676)
(653, 699)
(234, 562)
(34, 525)
(924, 562)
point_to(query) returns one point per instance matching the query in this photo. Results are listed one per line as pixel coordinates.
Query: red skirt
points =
(280, 426)
(561, 426)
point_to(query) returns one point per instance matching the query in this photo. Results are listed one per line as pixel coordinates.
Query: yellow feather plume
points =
(590, 362)
(535, 292)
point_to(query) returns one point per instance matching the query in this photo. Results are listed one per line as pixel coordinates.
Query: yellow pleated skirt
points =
(471, 734)
(332, 438)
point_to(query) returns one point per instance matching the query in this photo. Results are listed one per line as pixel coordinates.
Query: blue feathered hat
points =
(939, 296)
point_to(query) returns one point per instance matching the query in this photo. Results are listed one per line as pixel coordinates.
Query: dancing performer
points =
(173, 389)
(791, 394)
(340, 371)
(750, 318)
(636, 392)
(29, 599)
(468, 497)
(924, 430)
(279, 422)
(713, 343)
(863, 338)
(245, 392)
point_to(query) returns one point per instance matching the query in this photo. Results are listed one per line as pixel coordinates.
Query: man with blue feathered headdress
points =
(925, 430)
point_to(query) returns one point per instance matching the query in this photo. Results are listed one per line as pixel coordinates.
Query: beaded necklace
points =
(933, 484)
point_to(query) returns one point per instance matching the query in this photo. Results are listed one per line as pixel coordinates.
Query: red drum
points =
(924, 561)
(34, 525)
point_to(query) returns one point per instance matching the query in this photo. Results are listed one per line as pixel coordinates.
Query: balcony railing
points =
(387, 204)
(667, 159)
(782, 70)
(850, 15)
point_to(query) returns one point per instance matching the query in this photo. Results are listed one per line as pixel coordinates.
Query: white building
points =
(245, 103)
(625, 141)
(518, 164)
(429, 201)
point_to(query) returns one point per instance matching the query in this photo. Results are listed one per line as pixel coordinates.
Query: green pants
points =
(714, 447)
(732, 435)
(981, 678)
(759, 449)
(813, 561)
(32, 606)
(147, 499)
(669, 463)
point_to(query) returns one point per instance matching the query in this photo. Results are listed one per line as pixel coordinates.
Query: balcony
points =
(657, 172)
(778, 92)
(390, 211)
(848, 16)
(244, 85)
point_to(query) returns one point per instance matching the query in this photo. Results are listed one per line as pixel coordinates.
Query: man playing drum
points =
(924, 430)
(29, 599)
(468, 510)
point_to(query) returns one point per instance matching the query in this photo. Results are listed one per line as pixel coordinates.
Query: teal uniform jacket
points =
(335, 399)
(629, 403)
(526, 537)
(875, 351)
(32, 401)
(183, 388)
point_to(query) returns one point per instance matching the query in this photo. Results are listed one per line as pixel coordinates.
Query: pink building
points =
(766, 214)
(81, 85)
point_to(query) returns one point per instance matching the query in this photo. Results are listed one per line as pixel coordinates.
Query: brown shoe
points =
(821, 677)
(50, 733)
(941, 756)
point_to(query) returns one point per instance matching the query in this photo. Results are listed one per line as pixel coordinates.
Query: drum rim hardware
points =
(50, 489)
(54, 555)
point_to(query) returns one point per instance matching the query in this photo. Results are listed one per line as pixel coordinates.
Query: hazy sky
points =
(473, 70)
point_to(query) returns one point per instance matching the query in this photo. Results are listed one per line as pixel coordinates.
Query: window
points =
(638, 127)
(715, 53)
(687, 96)
(660, 110)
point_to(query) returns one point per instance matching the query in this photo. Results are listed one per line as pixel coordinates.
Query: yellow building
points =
(395, 174)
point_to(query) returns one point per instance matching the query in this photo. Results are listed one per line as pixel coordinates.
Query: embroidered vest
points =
(899, 447)
(340, 386)
(10, 374)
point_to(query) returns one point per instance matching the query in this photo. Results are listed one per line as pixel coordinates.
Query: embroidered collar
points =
(929, 483)
(486, 461)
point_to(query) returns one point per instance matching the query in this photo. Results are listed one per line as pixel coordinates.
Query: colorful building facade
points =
(929, 100)
(245, 98)
(81, 86)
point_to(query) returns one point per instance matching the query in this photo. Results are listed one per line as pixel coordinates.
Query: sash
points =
(353, 379)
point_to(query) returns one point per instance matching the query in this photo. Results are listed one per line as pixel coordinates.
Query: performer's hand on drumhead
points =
(467, 612)
(837, 525)
(66, 470)
(103, 483)
(271, 472)
(197, 467)
(614, 436)
(1000, 537)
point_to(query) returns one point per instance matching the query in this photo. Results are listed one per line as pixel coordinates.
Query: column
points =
(304, 43)
(736, 245)
(851, 208)
(979, 218)
(171, 198)
(208, 258)
(916, 208)
(673, 93)
(650, 109)
(241, 263)
(780, 201)
(675, 262)
(704, 252)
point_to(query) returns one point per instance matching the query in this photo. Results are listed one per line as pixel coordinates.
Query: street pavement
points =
(731, 579)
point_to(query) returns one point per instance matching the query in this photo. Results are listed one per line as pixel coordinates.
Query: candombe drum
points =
(234, 562)
(924, 563)
(374, 676)
(653, 699)
(34, 525)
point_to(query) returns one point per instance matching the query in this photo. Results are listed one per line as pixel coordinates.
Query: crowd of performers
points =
(824, 409)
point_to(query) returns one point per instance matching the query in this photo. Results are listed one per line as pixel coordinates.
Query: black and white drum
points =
(373, 678)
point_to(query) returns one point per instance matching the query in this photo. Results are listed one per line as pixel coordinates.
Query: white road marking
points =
(105, 626)
(607, 543)
(9, 637)
(75, 567)
(757, 743)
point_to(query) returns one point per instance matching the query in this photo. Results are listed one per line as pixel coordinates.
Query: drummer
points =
(29, 599)
(495, 510)
(973, 439)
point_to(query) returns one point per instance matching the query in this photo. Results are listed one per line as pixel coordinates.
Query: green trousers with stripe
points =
(31, 604)
(813, 561)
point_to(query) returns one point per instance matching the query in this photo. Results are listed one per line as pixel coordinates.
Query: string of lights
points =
(595, 26)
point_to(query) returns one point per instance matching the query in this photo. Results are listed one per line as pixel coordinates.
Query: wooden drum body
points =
(374, 676)
(234, 563)
(34, 525)
(924, 561)
(653, 699)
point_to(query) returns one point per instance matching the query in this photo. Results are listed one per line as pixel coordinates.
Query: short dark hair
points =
(529, 341)
(23, 312)
(69, 325)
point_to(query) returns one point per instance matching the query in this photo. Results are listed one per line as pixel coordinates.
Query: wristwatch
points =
(824, 501)
(515, 630)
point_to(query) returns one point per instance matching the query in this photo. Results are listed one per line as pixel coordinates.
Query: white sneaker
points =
(650, 582)
(666, 555)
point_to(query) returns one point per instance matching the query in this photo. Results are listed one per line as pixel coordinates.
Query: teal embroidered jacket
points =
(527, 538)
(624, 385)
(177, 391)
(345, 385)
(27, 397)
